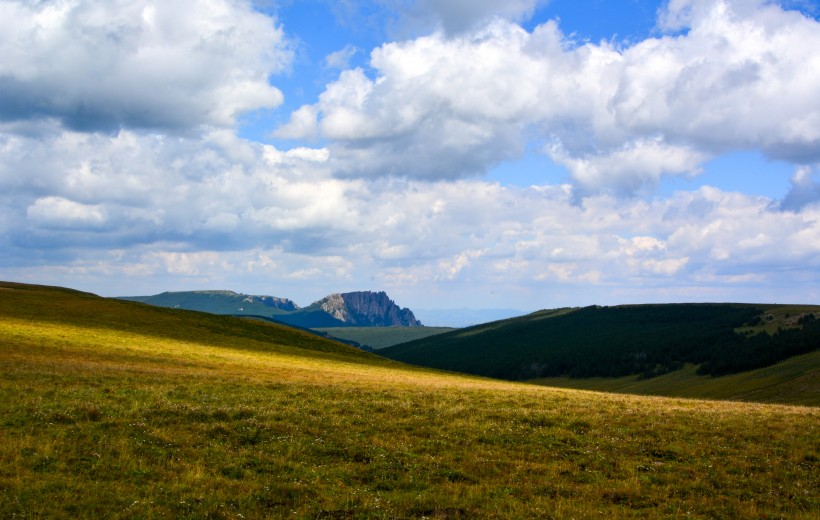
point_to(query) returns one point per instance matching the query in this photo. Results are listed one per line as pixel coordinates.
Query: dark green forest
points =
(596, 341)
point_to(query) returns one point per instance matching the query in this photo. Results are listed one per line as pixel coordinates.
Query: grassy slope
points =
(119, 410)
(794, 381)
(382, 337)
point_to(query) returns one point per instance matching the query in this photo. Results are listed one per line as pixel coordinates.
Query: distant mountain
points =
(353, 309)
(219, 302)
(644, 340)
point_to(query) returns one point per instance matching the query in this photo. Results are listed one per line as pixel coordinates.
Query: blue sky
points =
(521, 154)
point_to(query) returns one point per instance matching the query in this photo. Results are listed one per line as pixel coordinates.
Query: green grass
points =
(794, 381)
(120, 410)
(382, 337)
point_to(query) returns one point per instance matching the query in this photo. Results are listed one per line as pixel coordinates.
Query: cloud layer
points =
(243, 213)
(726, 76)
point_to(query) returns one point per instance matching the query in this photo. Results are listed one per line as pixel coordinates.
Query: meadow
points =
(120, 410)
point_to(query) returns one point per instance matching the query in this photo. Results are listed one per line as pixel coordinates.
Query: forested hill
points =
(617, 341)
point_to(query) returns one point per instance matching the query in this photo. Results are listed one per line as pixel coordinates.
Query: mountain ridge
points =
(351, 309)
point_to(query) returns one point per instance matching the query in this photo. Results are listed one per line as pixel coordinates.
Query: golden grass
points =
(148, 420)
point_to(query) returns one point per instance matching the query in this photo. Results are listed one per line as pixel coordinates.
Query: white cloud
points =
(743, 76)
(341, 59)
(137, 64)
(59, 213)
(437, 111)
(213, 192)
(449, 269)
(624, 170)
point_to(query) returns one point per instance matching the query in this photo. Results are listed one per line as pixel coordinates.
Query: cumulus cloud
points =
(137, 64)
(217, 191)
(742, 76)
(59, 213)
(437, 109)
(625, 170)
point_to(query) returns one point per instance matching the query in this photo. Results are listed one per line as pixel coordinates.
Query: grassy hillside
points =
(793, 381)
(119, 410)
(382, 337)
(645, 340)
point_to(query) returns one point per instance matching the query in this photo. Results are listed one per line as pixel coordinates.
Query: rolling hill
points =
(638, 342)
(116, 409)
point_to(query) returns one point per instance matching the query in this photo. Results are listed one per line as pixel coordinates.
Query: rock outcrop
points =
(367, 309)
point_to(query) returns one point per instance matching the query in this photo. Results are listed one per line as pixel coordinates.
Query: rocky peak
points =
(368, 309)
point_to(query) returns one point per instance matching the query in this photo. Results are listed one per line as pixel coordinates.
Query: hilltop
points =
(219, 302)
(635, 342)
(353, 309)
(119, 410)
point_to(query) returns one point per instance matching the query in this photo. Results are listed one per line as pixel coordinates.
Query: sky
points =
(522, 154)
